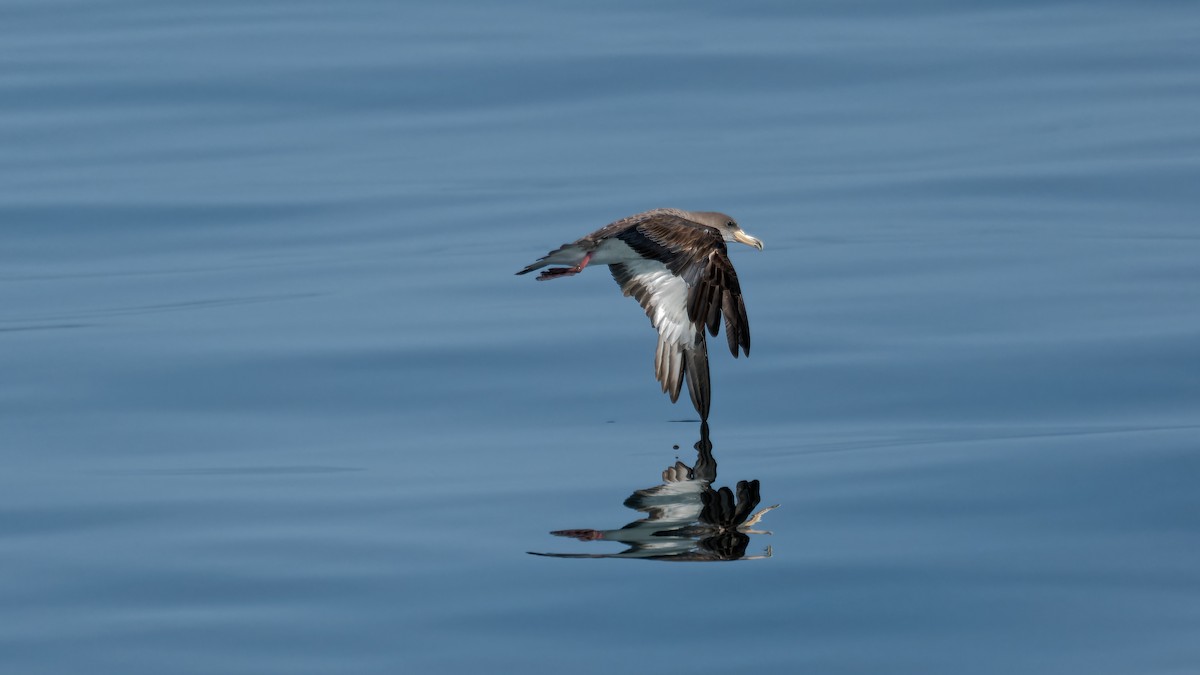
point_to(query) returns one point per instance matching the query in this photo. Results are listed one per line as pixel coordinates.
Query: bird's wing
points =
(698, 255)
(681, 346)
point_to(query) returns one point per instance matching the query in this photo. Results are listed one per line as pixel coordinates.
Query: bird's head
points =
(728, 228)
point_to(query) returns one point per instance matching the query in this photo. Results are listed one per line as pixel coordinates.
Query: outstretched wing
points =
(698, 255)
(682, 351)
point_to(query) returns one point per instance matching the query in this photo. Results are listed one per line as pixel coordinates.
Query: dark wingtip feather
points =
(745, 326)
(714, 310)
(733, 331)
(695, 361)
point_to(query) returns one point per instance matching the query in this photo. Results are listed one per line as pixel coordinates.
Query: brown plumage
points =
(676, 265)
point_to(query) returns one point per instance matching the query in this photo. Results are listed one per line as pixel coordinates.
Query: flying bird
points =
(676, 265)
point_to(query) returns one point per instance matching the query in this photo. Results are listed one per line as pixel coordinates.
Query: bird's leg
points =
(556, 272)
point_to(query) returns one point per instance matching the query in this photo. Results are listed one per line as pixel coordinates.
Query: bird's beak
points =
(747, 239)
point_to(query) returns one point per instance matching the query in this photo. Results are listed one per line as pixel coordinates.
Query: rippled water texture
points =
(273, 401)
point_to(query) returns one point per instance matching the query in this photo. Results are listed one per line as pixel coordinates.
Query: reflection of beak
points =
(747, 239)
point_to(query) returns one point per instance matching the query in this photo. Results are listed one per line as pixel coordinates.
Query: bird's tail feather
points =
(567, 254)
(533, 266)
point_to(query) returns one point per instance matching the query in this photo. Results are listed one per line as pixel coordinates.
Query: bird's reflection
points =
(686, 518)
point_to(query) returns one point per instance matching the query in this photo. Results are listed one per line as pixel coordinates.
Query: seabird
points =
(676, 265)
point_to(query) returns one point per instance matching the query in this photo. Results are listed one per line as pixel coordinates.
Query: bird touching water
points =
(676, 265)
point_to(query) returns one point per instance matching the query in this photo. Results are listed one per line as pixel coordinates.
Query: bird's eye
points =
(731, 224)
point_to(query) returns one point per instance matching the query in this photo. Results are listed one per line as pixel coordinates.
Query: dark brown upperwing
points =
(698, 254)
(715, 292)
(665, 237)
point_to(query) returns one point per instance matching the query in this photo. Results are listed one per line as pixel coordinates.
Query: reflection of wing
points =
(687, 520)
(669, 506)
(677, 472)
(705, 468)
(722, 510)
(728, 545)
(706, 465)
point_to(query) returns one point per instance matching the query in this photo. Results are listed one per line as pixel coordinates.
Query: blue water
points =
(273, 401)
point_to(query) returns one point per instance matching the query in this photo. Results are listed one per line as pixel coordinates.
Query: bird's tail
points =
(534, 265)
(695, 365)
(567, 254)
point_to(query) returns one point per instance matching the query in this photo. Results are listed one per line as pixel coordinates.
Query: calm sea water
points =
(272, 400)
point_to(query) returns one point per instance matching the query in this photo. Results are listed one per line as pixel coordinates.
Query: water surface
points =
(273, 400)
